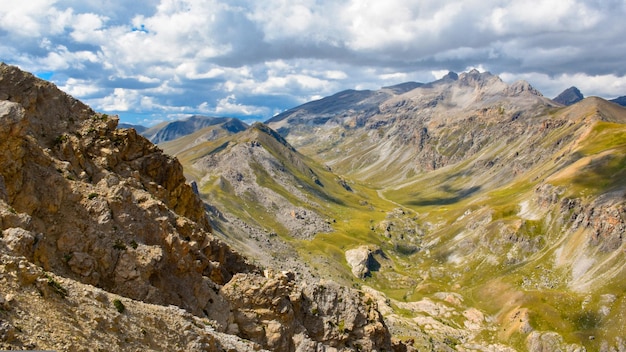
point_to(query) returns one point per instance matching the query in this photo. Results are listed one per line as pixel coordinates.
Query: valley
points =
(489, 217)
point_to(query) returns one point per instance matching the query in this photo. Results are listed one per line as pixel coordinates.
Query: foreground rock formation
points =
(100, 230)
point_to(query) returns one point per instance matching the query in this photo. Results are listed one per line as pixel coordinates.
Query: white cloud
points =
(335, 75)
(120, 100)
(408, 25)
(80, 87)
(283, 77)
(87, 28)
(25, 18)
(229, 106)
(287, 83)
(307, 20)
(394, 77)
(438, 74)
(539, 16)
(61, 57)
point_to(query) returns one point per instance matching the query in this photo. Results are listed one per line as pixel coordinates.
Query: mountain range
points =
(466, 194)
(460, 214)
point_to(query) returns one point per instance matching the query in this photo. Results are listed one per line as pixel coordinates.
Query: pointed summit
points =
(523, 86)
(569, 96)
(448, 78)
(451, 76)
(475, 78)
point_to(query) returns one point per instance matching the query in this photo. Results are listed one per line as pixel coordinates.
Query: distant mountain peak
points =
(523, 86)
(477, 79)
(176, 129)
(569, 96)
(448, 78)
(259, 127)
(452, 76)
(403, 87)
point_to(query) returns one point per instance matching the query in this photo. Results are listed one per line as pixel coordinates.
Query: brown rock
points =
(19, 241)
(280, 315)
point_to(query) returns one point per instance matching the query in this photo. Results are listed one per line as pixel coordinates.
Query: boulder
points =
(361, 260)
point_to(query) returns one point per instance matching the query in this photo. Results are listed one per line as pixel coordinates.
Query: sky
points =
(156, 60)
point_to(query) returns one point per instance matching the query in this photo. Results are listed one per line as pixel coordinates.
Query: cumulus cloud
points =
(542, 16)
(80, 88)
(229, 106)
(252, 59)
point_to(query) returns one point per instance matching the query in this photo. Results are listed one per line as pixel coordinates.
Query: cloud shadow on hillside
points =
(456, 196)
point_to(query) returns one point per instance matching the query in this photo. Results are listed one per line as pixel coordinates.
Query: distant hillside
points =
(403, 87)
(569, 96)
(139, 128)
(621, 100)
(331, 110)
(168, 131)
(400, 128)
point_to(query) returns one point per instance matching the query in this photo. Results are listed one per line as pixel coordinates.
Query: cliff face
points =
(103, 206)
(87, 203)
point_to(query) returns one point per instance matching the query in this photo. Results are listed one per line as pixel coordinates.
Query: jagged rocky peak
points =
(489, 82)
(476, 78)
(523, 87)
(569, 96)
(448, 78)
(452, 76)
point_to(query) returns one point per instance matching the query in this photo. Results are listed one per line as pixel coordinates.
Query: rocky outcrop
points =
(101, 205)
(282, 315)
(42, 311)
(549, 341)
